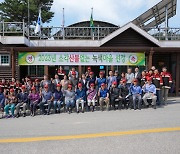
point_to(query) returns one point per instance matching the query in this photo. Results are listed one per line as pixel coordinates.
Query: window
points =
(36, 71)
(4, 59)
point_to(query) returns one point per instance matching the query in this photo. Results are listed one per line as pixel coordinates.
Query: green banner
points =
(81, 58)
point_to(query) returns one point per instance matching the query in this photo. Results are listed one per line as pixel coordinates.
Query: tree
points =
(17, 10)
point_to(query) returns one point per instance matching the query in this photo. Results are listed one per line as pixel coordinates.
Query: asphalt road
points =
(95, 123)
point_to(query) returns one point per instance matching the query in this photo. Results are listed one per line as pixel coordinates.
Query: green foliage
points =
(17, 10)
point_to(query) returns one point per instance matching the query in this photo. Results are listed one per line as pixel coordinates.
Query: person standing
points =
(129, 77)
(91, 79)
(37, 85)
(65, 82)
(124, 93)
(61, 72)
(73, 71)
(88, 71)
(101, 79)
(157, 81)
(46, 81)
(74, 81)
(83, 81)
(150, 93)
(110, 79)
(137, 75)
(167, 82)
(118, 78)
(136, 92)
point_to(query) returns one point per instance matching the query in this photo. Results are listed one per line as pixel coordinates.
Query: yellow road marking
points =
(83, 136)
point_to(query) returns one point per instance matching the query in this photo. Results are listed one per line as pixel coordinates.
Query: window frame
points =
(9, 63)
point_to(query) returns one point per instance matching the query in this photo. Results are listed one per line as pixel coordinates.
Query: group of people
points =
(127, 90)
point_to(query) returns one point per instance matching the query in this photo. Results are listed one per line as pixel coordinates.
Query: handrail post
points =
(98, 32)
(23, 28)
(3, 27)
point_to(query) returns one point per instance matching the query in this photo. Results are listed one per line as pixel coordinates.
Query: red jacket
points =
(157, 80)
(167, 79)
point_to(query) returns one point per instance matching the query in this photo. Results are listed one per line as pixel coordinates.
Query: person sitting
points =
(103, 97)
(115, 95)
(150, 92)
(58, 98)
(91, 96)
(2, 99)
(69, 98)
(80, 97)
(136, 92)
(10, 103)
(22, 98)
(34, 98)
(101, 79)
(47, 98)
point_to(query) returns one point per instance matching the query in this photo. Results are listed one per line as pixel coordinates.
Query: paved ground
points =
(98, 123)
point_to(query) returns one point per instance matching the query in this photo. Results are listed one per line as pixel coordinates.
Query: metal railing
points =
(164, 33)
(56, 33)
(13, 29)
(83, 33)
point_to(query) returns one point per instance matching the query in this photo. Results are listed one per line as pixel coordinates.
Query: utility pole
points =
(28, 23)
(63, 22)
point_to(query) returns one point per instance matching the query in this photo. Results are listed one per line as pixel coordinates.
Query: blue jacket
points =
(103, 93)
(22, 97)
(100, 81)
(58, 95)
(80, 94)
(150, 88)
(46, 96)
(110, 80)
(135, 90)
(2, 99)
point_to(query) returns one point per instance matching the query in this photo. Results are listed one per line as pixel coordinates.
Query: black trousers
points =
(114, 102)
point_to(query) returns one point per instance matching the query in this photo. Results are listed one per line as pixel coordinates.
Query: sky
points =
(118, 12)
